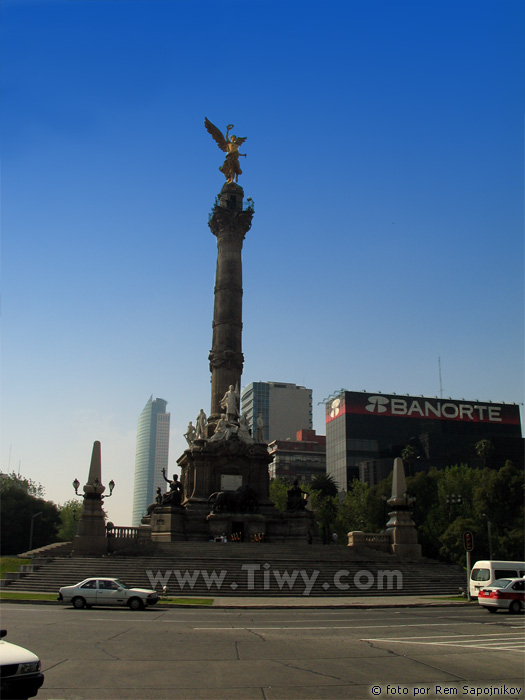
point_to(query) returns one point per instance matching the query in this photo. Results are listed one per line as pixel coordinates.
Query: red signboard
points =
(420, 407)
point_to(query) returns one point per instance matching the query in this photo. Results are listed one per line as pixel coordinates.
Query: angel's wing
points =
(217, 135)
(239, 141)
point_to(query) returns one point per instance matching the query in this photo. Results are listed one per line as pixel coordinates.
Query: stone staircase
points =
(57, 549)
(211, 569)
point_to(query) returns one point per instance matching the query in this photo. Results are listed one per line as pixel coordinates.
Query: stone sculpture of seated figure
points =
(175, 494)
(296, 498)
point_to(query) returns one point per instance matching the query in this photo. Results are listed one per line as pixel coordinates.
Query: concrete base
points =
(408, 551)
(167, 523)
(90, 545)
(300, 527)
(247, 527)
(402, 531)
(193, 521)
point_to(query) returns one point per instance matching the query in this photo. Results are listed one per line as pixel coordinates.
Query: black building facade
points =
(364, 429)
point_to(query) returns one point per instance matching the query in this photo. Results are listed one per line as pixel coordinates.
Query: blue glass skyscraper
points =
(153, 437)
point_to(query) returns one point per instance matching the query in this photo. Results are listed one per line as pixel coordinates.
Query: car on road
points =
(485, 571)
(20, 675)
(503, 594)
(106, 591)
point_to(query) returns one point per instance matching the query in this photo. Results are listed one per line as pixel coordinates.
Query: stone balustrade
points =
(372, 540)
(124, 533)
(120, 538)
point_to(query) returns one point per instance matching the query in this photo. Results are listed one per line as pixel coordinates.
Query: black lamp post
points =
(96, 486)
(451, 501)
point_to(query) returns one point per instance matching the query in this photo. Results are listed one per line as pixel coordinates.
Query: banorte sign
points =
(420, 407)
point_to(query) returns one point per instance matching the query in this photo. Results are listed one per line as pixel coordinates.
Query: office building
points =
(153, 437)
(303, 458)
(285, 408)
(365, 432)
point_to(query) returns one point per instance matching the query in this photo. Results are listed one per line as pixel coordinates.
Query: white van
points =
(484, 572)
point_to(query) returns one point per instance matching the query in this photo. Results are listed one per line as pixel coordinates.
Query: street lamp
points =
(451, 501)
(489, 533)
(96, 486)
(31, 529)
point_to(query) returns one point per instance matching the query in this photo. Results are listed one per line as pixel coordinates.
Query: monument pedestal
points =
(241, 527)
(209, 467)
(211, 474)
(167, 523)
(301, 526)
(403, 535)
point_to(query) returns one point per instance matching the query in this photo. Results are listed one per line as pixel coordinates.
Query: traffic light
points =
(468, 541)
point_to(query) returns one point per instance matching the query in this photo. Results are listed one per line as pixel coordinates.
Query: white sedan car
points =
(106, 591)
(20, 675)
(504, 593)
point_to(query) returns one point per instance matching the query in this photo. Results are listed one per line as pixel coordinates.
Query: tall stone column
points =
(229, 222)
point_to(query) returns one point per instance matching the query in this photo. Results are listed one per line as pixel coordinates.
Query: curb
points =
(271, 606)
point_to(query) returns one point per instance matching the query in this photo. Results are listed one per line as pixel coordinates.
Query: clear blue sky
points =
(385, 158)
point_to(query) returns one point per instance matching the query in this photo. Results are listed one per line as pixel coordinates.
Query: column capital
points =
(225, 223)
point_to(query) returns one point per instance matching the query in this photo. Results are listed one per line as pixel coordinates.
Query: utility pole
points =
(31, 529)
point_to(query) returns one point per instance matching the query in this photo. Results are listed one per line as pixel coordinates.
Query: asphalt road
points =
(271, 654)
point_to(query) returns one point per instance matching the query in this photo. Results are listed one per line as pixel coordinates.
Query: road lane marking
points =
(485, 642)
(353, 627)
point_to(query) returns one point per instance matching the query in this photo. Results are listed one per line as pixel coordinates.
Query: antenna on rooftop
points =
(440, 382)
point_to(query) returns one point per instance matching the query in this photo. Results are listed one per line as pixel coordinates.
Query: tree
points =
(353, 511)
(427, 511)
(409, 455)
(452, 548)
(279, 492)
(484, 448)
(326, 484)
(325, 509)
(20, 506)
(69, 513)
(325, 505)
(29, 486)
(498, 500)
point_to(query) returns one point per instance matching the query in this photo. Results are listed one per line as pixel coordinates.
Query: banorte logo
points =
(335, 408)
(377, 404)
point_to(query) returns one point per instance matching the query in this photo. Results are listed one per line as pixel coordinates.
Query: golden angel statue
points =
(231, 168)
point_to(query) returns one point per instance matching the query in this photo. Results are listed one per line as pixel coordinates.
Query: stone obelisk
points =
(401, 527)
(91, 533)
(229, 222)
